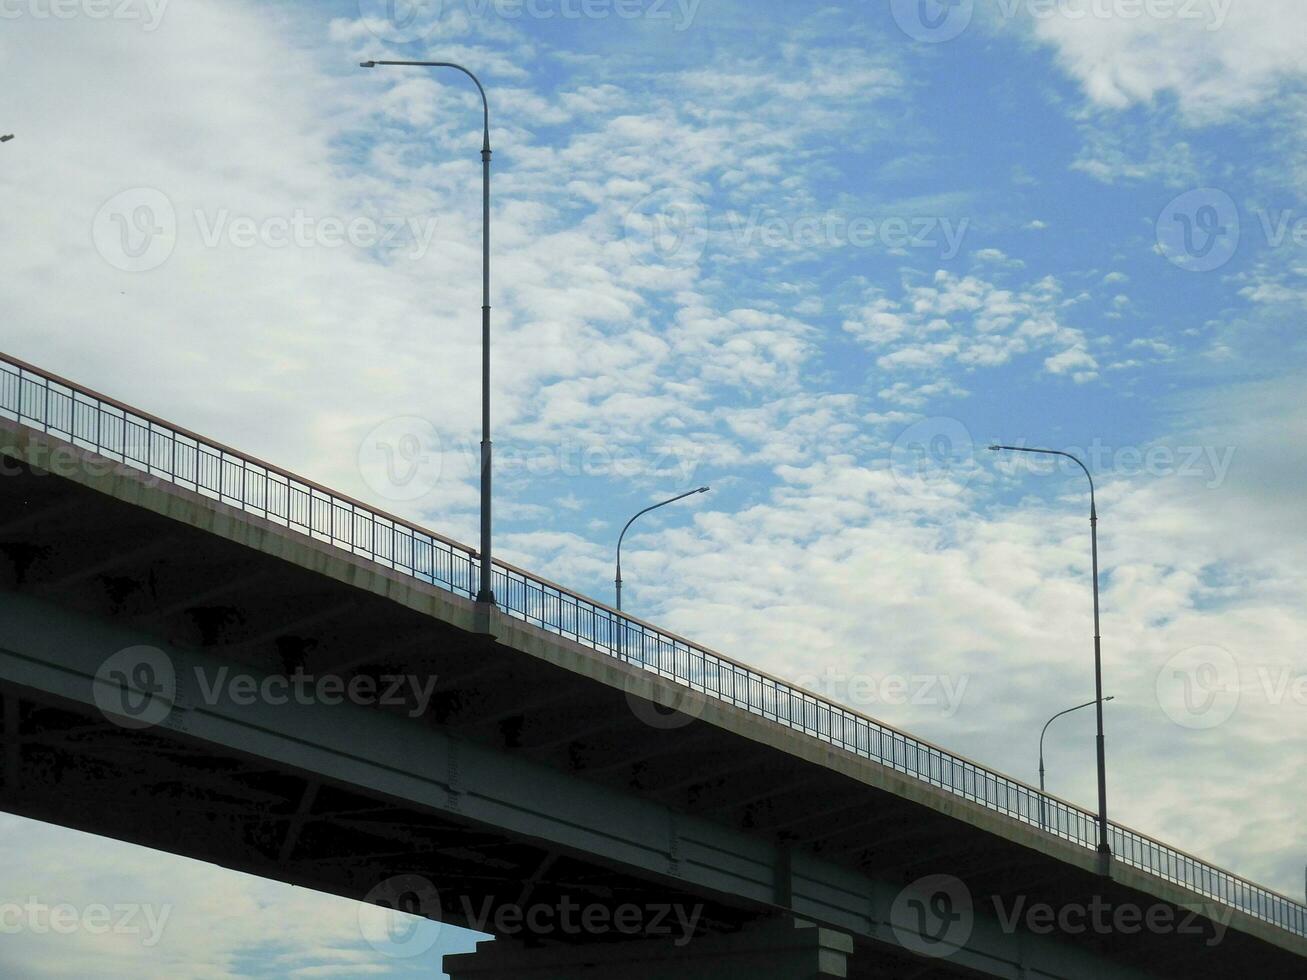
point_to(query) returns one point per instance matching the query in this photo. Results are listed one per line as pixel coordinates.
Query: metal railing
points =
(118, 432)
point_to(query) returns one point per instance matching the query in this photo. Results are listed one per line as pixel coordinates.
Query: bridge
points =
(604, 797)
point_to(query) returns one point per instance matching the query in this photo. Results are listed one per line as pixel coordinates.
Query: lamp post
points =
(1110, 697)
(485, 591)
(1103, 847)
(618, 580)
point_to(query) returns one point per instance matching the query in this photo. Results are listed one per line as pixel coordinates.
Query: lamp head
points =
(367, 64)
(6, 138)
(703, 490)
(1110, 697)
(994, 449)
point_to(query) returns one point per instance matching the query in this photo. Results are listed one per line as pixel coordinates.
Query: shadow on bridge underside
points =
(550, 716)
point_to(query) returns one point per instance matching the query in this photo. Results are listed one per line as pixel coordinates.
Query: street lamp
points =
(1103, 847)
(618, 580)
(669, 500)
(485, 591)
(1110, 697)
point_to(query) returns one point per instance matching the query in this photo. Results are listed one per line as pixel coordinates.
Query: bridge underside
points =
(528, 779)
(70, 766)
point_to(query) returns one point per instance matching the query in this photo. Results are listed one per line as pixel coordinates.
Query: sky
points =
(815, 256)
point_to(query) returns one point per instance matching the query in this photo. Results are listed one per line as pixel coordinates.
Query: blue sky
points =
(817, 256)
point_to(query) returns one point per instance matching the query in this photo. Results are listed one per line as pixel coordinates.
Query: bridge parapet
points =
(82, 418)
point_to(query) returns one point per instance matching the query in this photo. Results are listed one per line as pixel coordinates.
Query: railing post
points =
(888, 746)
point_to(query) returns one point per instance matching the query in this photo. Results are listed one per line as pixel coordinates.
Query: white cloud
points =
(967, 322)
(916, 396)
(997, 257)
(855, 573)
(293, 354)
(192, 919)
(1213, 58)
(1121, 152)
(1076, 361)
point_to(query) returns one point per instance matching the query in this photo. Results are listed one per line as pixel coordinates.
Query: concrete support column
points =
(774, 950)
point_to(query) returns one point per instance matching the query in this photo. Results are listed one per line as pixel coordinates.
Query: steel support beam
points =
(55, 653)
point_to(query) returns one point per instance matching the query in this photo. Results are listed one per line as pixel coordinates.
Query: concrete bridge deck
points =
(540, 772)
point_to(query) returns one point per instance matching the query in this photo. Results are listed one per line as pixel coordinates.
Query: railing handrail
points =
(454, 543)
(223, 448)
(625, 621)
